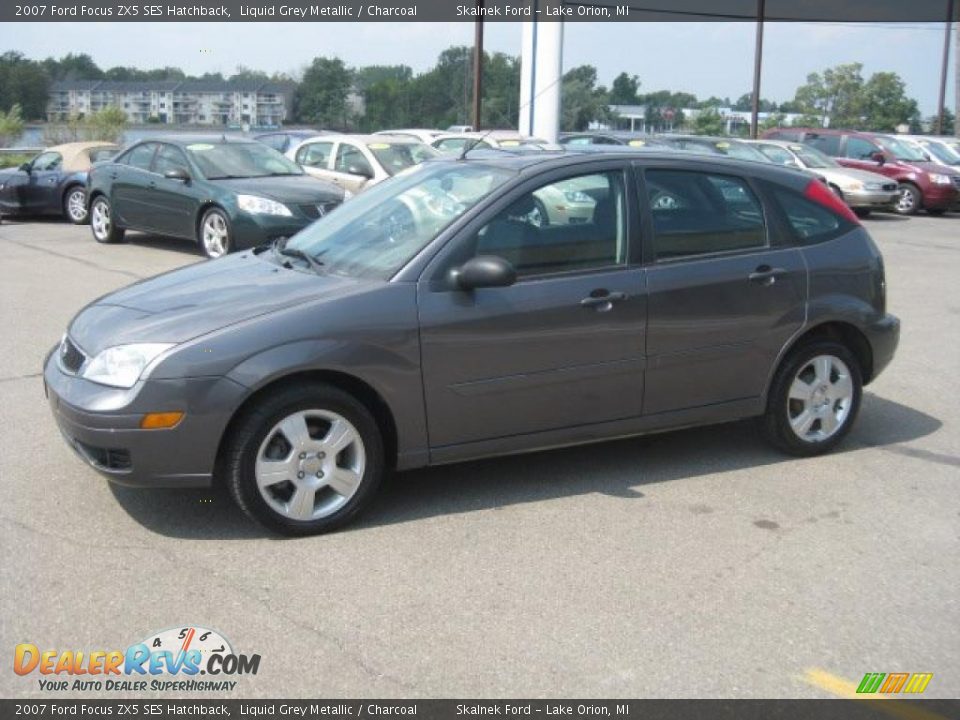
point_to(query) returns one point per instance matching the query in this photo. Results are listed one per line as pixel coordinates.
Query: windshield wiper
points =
(279, 247)
(230, 177)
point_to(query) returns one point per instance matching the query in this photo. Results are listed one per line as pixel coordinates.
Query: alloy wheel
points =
(906, 201)
(77, 205)
(215, 235)
(310, 465)
(820, 398)
(100, 219)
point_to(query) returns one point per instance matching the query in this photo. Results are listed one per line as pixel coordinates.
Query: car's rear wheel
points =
(75, 205)
(910, 200)
(216, 235)
(814, 399)
(104, 229)
(304, 460)
(936, 212)
(862, 212)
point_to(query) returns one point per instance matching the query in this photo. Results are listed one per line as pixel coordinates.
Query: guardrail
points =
(20, 151)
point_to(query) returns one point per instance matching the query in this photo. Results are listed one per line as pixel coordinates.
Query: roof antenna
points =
(467, 147)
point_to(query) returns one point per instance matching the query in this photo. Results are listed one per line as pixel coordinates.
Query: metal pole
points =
(478, 68)
(757, 64)
(943, 70)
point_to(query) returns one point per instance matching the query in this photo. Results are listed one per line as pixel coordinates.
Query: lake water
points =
(33, 135)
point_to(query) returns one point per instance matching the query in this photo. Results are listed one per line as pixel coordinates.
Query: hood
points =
(196, 300)
(285, 189)
(839, 175)
(929, 167)
(8, 172)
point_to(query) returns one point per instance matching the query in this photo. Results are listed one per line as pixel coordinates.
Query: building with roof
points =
(176, 102)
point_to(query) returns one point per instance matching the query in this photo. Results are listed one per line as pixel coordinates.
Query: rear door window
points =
(860, 149)
(141, 156)
(316, 155)
(697, 213)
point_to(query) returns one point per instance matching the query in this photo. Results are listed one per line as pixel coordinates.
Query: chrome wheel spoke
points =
(843, 387)
(295, 430)
(829, 422)
(801, 423)
(272, 472)
(799, 390)
(339, 437)
(822, 367)
(344, 481)
(302, 502)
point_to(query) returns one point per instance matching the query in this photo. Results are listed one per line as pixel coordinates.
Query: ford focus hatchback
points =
(431, 320)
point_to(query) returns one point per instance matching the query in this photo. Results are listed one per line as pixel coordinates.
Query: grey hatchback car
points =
(429, 321)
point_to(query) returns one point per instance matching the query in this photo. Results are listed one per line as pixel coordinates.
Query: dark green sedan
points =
(225, 194)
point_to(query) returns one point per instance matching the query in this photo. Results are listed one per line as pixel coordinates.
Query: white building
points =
(180, 102)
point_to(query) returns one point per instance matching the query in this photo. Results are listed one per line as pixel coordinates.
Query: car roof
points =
(368, 139)
(184, 140)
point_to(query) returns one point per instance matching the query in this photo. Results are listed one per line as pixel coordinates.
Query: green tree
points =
(581, 101)
(709, 122)
(624, 89)
(837, 95)
(885, 103)
(25, 83)
(745, 102)
(321, 97)
(11, 125)
(73, 66)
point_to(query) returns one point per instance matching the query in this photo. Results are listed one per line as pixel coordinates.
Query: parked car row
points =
(229, 193)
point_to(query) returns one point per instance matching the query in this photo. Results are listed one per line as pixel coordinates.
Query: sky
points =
(702, 58)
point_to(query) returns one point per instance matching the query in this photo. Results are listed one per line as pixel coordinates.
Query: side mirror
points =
(27, 167)
(878, 157)
(361, 171)
(177, 174)
(484, 271)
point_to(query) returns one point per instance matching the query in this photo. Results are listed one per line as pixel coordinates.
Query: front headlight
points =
(577, 196)
(347, 195)
(262, 206)
(122, 365)
(852, 186)
(940, 179)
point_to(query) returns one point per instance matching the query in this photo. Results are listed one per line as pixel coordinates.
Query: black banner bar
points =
(467, 10)
(865, 709)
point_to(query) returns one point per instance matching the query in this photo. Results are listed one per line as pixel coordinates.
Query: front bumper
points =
(102, 425)
(252, 230)
(883, 336)
(871, 198)
(940, 197)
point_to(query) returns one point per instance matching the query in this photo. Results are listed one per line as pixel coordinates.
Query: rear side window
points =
(697, 213)
(810, 222)
(829, 144)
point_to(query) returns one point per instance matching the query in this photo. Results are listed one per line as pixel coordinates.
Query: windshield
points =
(379, 231)
(942, 153)
(239, 160)
(901, 150)
(740, 151)
(394, 157)
(813, 158)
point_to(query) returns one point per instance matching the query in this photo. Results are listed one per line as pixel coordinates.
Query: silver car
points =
(940, 149)
(862, 190)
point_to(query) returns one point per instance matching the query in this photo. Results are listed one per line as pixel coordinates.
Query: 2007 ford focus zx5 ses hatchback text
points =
(440, 317)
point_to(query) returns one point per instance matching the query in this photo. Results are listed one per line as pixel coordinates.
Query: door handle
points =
(152, 184)
(766, 275)
(602, 300)
(113, 176)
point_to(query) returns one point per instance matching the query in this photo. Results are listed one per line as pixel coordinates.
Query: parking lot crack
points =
(82, 261)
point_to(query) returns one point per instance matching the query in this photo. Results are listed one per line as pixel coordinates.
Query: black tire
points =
(104, 233)
(73, 199)
(936, 212)
(219, 219)
(775, 423)
(862, 212)
(251, 430)
(910, 201)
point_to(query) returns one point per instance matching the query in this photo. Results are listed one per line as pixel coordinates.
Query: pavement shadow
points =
(617, 468)
(879, 216)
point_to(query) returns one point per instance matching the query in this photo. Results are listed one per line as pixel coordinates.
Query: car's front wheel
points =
(104, 229)
(75, 205)
(306, 459)
(814, 399)
(216, 235)
(910, 200)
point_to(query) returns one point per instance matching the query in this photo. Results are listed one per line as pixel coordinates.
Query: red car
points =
(923, 184)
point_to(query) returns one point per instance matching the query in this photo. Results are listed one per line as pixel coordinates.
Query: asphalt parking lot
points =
(697, 563)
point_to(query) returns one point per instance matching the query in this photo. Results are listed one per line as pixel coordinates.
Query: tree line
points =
(395, 96)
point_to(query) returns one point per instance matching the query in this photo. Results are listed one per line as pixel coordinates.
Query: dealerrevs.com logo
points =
(184, 659)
